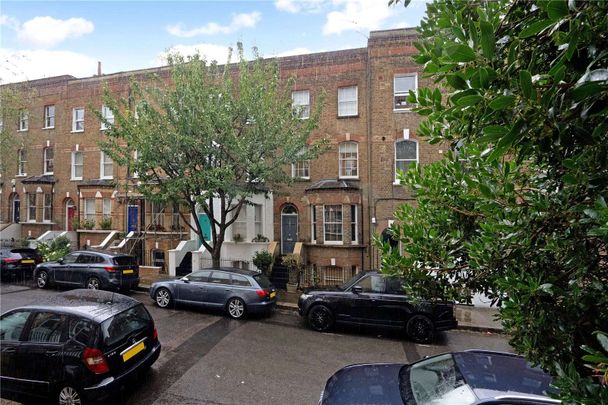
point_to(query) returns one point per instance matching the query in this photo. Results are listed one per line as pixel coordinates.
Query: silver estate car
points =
(238, 292)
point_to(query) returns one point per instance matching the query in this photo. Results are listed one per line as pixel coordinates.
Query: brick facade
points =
(371, 192)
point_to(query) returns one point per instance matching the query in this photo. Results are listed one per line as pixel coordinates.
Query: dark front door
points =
(16, 211)
(132, 216)
(71, 212)
(289, 232)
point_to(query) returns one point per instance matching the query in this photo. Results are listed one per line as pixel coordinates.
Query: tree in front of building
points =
(211, 138)
(518, 210)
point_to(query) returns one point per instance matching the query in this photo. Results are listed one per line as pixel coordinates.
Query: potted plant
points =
(88, 224)
(237, 238)
(294, 263)
(106, 223)
(263, 260)
(260, 238)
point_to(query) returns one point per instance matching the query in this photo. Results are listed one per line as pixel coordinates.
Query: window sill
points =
(48, 127)
(78, 131)
(47, 173)
(76, 179)
(301, 179)
(340, 117)
(21, 175)
(37, 223)
(106, 177)
(402, 110)
(348, 177)
(22, 130)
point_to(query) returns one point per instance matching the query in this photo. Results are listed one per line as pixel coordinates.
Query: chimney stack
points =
(99, 68)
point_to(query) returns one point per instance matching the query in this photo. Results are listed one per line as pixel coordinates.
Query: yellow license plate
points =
(127, 272)
(126, 355)
(27, 261)
(273, 294)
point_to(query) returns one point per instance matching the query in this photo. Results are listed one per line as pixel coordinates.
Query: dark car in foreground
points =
(18, 263)
(79, 346)
(373, 299)
(462, 378)
(90, 269)
(236, 291)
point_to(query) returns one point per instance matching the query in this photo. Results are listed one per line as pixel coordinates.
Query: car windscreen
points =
(124, 324)
(262, 280)
(124, 261)
(351, 281)
(436, 380)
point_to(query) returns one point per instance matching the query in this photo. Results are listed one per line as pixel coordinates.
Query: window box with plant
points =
(106, 223)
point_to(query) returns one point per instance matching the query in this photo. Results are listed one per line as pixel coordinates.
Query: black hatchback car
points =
(79, 346)
(463, 378)
(18, 262)
(372, 299)
(90, 269)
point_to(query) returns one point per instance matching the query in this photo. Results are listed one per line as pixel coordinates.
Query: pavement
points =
(469, 317)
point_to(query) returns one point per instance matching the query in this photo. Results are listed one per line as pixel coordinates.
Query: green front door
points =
(205, 226)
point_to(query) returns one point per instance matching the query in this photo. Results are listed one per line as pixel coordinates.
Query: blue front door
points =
(132, 216)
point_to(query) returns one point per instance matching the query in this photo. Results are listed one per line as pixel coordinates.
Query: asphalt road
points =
(210, 359)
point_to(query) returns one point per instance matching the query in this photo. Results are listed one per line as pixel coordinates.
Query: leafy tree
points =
(13, 99)
(54, 249)
(214, 133)
(518, 209)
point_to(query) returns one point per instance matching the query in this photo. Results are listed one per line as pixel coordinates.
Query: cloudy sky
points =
(49, 38)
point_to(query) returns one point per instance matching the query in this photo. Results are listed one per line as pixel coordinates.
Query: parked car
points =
(238, 292)
(18, 262)
(80, 346)
(463, 378)
(90, 269)
(372, 299)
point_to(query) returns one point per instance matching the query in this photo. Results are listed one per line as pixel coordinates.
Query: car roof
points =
(96, 305)
(496, 374)
(102, 252)
(233, 270)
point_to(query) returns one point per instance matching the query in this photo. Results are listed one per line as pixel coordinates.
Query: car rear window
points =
(124, 261)
(124, 324)
(262, 280)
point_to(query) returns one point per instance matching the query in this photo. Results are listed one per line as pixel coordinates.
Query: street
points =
(208, 358)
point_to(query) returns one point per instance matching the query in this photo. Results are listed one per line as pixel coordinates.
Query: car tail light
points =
(9, 260)
(110, 269)
(261, 293)
(155, 334)
(95, 360)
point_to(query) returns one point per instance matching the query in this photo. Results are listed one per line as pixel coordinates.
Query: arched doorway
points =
(15, 208)
(289, 228)
(70, 213)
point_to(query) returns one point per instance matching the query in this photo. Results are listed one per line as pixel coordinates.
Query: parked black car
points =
(236, 291)
(18, 262)
(90, 269)
(372, 299)
(463, 378)
(79, 346)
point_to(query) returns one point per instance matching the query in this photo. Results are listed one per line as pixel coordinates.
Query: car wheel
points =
(163, 297)
(235, 308)
(69, 395)
(320, 318)
(93, 283)
(42, 280)
(420, 329)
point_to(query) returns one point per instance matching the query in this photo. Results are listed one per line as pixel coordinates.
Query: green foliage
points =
(214, 133)
(518, 209)
(87, 224)
(294, 263)
(76, 223)
(263, 260)
(55, 249)
(106, 223)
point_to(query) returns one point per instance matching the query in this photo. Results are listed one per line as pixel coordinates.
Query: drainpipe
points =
(368, 73)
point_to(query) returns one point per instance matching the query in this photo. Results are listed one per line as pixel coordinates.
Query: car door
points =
(79, 271)
(365, 304)
(12, 327)
(193, 287)
(219, 288)
(61, 272)
(393, 306)
(42, 350)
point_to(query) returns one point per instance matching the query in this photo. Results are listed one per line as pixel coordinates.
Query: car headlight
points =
(305, 296)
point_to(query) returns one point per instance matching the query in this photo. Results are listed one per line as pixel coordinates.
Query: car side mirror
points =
(357, 289)
(185, 279)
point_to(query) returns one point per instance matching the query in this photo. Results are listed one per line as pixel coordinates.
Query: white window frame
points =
(395, 180)
(302, 166)
(343, 103)
(21, 161)
(157, 214)
(302, 108)
(313, 224)
(258, 214)
(396, 93)
(75, 164)
(30, 206)
(354, 238)
(326, 223)
(342, 160)
(240, 225)
(47, 216)
(102, 166)
(24, 118)
(90, 215)
(135, 157)
(46, 160)
(108, 115)
(49, 116)
(106, 208)
(76, 121)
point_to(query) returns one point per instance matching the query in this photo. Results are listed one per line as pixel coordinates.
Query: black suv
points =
(18, 262)
(90, 269)
(80, 346)
(372, 299)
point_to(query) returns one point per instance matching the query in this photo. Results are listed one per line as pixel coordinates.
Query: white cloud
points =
(297, 6)
(210, 52)
(358, 15)
(46, 32)
(239, 21)
(36, 64)
(9, 22)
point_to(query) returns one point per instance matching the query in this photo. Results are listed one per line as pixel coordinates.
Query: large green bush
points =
(54, 249)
